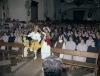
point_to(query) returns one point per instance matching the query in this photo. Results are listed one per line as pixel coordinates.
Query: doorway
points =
(34, 11)
(79, 15)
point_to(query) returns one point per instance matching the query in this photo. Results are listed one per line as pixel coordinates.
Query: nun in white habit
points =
(70, 45)
(81, 47)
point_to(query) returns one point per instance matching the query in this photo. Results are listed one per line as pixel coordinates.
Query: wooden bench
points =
(19, 45)
(12, 53)
(5, 62)
(74, 63)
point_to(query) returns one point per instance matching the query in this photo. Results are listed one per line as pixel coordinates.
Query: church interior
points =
(49, 37)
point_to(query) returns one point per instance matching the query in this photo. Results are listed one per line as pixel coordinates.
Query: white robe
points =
(5, 39)
(81, 47)
(70, 45)
(45, 50)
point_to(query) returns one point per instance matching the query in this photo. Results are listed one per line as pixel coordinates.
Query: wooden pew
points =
(74, 63)
(5, 62)
(19, 45)
(12, 53)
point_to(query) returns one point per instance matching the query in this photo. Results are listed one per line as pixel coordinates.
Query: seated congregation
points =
(45, 36)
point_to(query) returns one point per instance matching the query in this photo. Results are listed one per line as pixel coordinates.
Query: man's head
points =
(35, 28)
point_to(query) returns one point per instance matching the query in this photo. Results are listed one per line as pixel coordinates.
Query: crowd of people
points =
(80, 37)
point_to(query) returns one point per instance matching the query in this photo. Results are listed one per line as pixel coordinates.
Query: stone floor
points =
(34, 68)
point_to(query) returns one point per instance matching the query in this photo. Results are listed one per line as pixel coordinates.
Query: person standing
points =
(36, 38)
(46, 41)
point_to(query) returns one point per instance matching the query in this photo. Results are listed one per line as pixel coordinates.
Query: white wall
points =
(50, 9)
(57, 9)
(17, 9)
(40, 9)
(0, 10)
